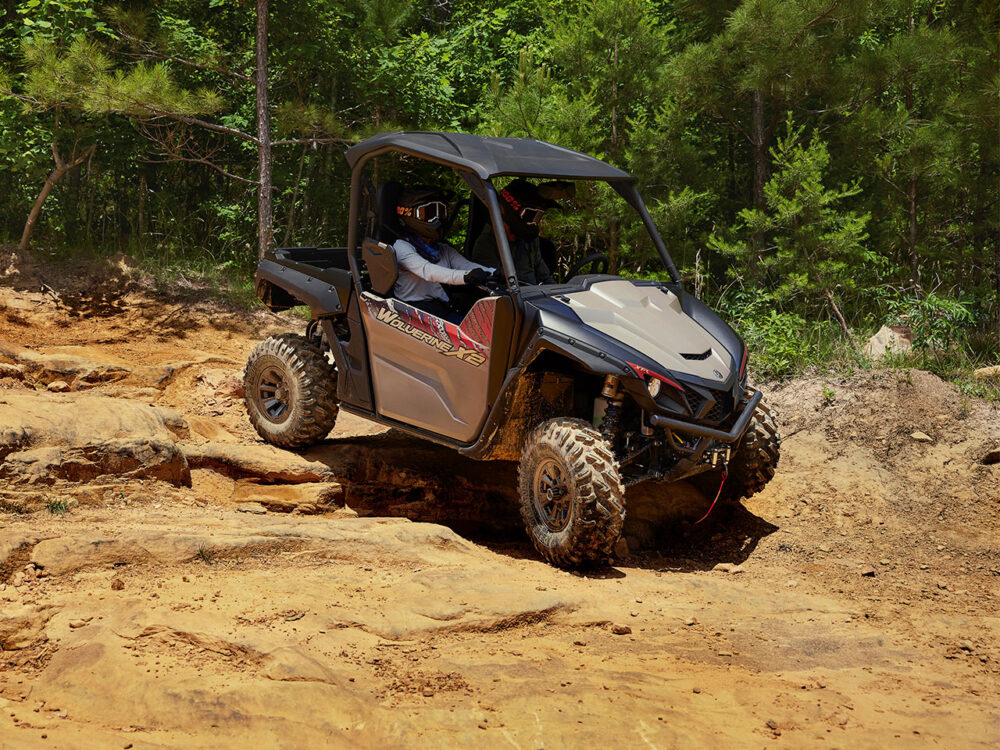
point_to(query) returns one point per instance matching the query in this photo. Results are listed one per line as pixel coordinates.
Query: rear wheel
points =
(756, 458)
(572, 499)
(290, 391)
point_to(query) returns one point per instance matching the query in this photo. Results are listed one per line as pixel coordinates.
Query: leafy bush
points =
(777, 346)
(782, 343)
(938, 323)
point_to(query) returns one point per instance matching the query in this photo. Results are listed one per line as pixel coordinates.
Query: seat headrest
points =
(479, 217)
(388, 228)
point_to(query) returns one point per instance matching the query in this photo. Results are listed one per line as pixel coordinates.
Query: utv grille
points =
(704, 355)
(717, 413)
(721, 407)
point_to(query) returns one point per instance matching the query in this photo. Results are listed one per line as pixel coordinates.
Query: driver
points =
(425, 260)
(522, 206)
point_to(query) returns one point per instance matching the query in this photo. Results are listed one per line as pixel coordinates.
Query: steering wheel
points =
(496, 284)
(600, 261)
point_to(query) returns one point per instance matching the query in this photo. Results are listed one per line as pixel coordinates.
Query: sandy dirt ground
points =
(377, 591)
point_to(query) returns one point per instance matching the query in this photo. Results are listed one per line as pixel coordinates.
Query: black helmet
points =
(522, 206)
(424, 209)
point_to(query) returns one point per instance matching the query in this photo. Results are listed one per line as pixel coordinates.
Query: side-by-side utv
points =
(592, 384)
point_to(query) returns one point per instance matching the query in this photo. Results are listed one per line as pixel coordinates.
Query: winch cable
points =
(717, 496)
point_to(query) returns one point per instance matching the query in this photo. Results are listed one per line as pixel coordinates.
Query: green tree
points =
(602, 80)
(813, 248)
(912, 64)
(73, 87)
(771, 57)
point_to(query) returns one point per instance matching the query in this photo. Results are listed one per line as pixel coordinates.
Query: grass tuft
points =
(58, 507)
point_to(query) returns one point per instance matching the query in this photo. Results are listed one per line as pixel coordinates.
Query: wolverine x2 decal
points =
(447, 338)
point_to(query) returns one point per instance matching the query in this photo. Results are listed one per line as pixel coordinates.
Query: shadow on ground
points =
(392, 474)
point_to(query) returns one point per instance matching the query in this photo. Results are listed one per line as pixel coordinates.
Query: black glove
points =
(477, 277)
(498, 276)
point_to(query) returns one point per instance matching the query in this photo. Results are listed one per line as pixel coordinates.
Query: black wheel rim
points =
(551, 495)
(273, 394)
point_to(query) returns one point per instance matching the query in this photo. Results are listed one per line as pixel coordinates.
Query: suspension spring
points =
(611, 428)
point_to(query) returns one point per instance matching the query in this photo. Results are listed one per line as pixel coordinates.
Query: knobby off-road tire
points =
(756, 458)
(290, 391)
(572, 498)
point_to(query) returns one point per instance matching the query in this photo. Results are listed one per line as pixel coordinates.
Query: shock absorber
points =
(312, 329)
(612, 426)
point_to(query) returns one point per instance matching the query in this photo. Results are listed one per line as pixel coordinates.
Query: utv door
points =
(432, 374)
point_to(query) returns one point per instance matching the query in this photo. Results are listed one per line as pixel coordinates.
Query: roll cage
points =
(479, 159)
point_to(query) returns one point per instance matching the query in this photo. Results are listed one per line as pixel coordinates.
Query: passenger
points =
(425, 260)
(522, 206)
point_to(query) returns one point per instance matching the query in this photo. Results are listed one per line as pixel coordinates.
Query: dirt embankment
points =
(167, 580)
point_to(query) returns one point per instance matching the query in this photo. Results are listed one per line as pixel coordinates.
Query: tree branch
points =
(309, 141)
(816, 20)
(157, 113)
(151, 53)
(200, 160)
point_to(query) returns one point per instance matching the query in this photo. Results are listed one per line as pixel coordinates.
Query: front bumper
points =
(697, 430)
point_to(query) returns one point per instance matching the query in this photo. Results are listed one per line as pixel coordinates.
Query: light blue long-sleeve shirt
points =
(420, 279)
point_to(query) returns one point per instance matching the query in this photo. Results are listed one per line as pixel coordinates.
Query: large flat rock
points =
(149, 458)
(266, 462)
(86, 367)
(31, 419)
(229, 693)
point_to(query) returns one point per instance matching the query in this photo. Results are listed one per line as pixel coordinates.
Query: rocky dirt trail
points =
(167, 580)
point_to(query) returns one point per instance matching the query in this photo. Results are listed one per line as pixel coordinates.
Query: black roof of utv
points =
(489, 157)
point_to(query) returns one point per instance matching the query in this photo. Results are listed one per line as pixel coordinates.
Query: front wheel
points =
(290, 391)
(572, 498)
(756, 458)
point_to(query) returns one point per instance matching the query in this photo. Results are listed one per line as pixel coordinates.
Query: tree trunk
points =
(141, 210)
(614, 105)
(54, 176)
(613, 245)
(265, 236)
(290, 223)
(912, 192)
(839, 316)
(759, 151)
(914, 258)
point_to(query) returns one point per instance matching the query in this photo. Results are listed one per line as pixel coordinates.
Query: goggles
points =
(531, 216)
(426, 212)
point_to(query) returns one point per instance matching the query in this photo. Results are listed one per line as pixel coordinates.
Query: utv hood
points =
(650, 320)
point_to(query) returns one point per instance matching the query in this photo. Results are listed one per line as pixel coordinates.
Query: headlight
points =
(654, 386)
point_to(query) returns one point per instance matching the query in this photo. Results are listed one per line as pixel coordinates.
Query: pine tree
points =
(771, 57)
(813, 248)
(601, 80)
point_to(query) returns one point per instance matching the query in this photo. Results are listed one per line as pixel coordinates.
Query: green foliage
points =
(814, 247)
(776, 340)
(594, 94)
(422, 66)
(800, 157)
(60, 19)
(938, 323)
(83, 78)
(58, 506)
(783, 343)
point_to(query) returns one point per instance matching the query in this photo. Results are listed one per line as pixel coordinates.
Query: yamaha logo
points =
(717, 374)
